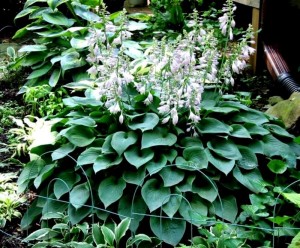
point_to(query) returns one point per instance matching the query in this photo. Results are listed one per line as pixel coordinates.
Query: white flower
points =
(193, 117)
(174, 116)
(165, 120)
(121, 118)
(164, 109)
(114, 109)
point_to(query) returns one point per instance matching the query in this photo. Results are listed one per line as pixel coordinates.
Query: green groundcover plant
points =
(148, 132)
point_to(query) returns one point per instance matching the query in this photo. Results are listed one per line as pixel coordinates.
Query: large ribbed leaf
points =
(122, 140)
(79, 195)
(169, 231)
(194, 158)
(154, 194)
(224, 148)
(57, 18)
(250, 179)
(110, 190)
(222, 164)
(158, 137)
(80, 135)
(105, 161)
(65, 182)
(138, 157)
(156, 164)
(71, 60)
(144, 122)
(54, 3)
(171, 176)
(212, 126)
(63, 151)
(227, 209)
(89, 156)
(84, 13)
(249, 160)
(239, 131)
(172, 206)
(277, 130)
(251, 116)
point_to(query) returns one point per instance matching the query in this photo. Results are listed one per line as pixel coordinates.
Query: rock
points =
(274, 99)
(287, 110)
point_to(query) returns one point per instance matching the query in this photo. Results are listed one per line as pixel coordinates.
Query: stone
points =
(287, 110)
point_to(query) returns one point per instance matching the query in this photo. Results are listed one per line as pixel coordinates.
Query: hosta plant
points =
(151, 135)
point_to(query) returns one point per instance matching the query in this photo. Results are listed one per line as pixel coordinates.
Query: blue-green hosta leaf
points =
(79, 135)
(88, 156)
(110, 190)
(250, 179)
(194, 158)
(138, 157)
(154, 194)
(71, 60)
(40, 72)
(84, 121)
(53, 34)
(251, 116)
(26, 11)
(30, 171)
(84, 13)
(158, 137)
(172, 206)
(57, 18)
(134, 208)
(171, 176)
(79, 195)
(224, 148)
(53, 4)
(275, 147)
(134, 26)
(170, 154)
(239, 131)
(187, 184)
(144, 122)
(222, 164)
(65, 182)
(46, 172)
(212, 126)
(122, 140)
(277, 166)
(134, 176)
(156, 164)
(54, 78)
(275, 129)
(52, 208)
(79, 43)
(30, 2)
(105, 161)
(77, 215)
(249, 160)
(63, 151)
(37, 14)
(106, 147)
(169, 231)
(253, 129)
(222, 110)
(256, 146)
(32, 48)
(81, 101)
(191, 141)
(194, 210)
(206, 189)
(228, 209)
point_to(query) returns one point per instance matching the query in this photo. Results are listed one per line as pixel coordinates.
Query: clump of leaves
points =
(10, 200)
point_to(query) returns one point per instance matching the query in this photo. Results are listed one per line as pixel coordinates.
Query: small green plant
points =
(10, 200)
(62, 234)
